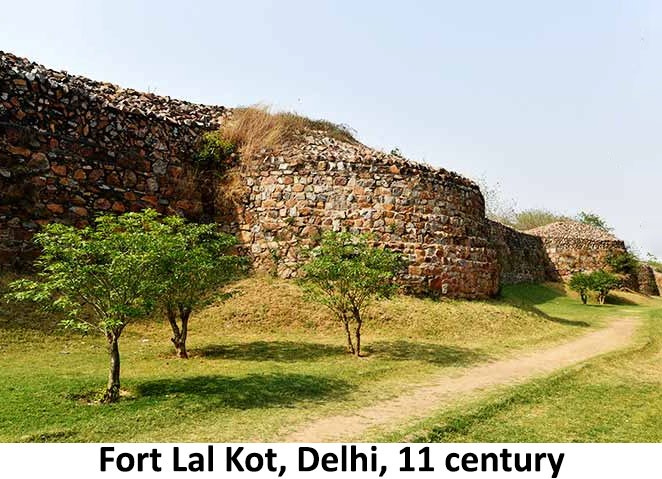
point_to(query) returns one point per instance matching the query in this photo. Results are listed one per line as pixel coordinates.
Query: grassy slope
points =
(613, 398)
(262, 361)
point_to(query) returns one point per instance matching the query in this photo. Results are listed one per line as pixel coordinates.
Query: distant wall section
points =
(647, 281)
(522, 257)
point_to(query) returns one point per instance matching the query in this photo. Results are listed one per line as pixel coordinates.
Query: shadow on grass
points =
(429, 352)
(247, 392)
(284, 351)
(292, 351)
(619, 301)
(527, 296)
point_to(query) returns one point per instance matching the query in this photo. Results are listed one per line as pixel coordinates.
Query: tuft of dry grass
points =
(256, 128)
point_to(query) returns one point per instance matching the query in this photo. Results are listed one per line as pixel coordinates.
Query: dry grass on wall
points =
(256, 128)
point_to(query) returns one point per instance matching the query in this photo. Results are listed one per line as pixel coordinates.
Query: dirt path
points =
(424, 400)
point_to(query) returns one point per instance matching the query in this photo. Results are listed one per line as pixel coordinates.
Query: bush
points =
(600, 282)
(346, 272)
(581, 283)
(214, 150)
(623, 263)
(529, 219)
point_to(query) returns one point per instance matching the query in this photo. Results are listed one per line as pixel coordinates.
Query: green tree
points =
(581, 283)
(594, 220)
(101, 276)
(345, 273)
(193, 261)
(624, 263)
(602, 283)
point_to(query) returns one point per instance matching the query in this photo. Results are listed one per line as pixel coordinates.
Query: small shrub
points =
(602, 283)
(214, 150)
(623, 263)
(345, 274)
(581, 283)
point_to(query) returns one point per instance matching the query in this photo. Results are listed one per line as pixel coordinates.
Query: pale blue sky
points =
(559, 101)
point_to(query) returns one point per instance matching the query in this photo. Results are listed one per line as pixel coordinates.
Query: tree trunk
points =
(350, 346)
(112, 393)
(359, 323)
(584, 297)
(358, 338)
(178, 335)
(180, 346)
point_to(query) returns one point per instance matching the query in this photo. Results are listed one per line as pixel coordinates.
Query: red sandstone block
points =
(150, 199)
(60, 170)
(102, 204)
(18, 150)
(55, 208)
(78, 210)
(96, 175)
(118, 207)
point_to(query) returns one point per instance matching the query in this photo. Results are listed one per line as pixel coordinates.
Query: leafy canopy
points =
(102, 277)
(346, 271)
(193, 260)
(593, 220)
(601, 282)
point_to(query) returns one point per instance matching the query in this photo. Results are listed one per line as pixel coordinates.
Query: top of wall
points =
(315, 145)
(116, 97)
(570, 229)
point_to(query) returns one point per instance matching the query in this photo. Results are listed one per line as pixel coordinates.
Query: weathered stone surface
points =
(573, 247)
(522, 257)
(72, 147)
(434, 217)
(647, 282)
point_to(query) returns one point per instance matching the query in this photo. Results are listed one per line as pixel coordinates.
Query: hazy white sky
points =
(559, 102)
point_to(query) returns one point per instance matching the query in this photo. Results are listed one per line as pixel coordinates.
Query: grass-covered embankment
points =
(262, 361)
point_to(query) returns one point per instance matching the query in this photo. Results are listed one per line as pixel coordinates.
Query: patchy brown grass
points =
(254, 129)
(232, 188)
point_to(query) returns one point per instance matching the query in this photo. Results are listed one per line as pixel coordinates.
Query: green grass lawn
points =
(263, 361)
(613, 398)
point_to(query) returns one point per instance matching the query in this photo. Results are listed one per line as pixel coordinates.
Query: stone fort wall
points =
(647, 281)
(522, 257)
(71, 148)
(435, 217)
